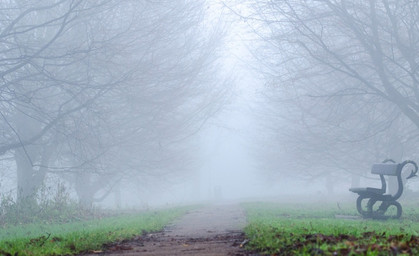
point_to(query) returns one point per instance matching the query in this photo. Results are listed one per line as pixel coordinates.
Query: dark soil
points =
(214, 230)
(163, 244)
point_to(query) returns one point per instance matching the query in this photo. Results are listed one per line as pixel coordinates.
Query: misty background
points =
(149, 103)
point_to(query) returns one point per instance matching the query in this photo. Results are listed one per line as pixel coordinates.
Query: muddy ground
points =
(213, 230)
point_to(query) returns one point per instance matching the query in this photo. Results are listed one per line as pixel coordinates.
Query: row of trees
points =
(98, 91)
(343, 83)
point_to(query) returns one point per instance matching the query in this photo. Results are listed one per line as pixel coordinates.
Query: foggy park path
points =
(211, 230)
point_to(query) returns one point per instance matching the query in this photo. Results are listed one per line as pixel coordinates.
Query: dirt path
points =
(213, 230)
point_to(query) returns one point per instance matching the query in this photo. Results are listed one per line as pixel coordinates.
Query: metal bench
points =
(374, 195)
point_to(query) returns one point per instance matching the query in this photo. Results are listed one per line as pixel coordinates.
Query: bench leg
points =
(399, 210)
(380, 213)
(363, 207)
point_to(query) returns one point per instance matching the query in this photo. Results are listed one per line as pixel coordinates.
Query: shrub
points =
(51, 205)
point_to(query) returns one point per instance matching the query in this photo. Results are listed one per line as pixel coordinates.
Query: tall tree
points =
(82, 80)
(347, 71)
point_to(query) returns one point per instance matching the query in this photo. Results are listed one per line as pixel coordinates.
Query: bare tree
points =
(345, 74)
(85, 80)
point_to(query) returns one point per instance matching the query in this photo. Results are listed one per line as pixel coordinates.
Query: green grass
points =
(83, 236)
(312, 229)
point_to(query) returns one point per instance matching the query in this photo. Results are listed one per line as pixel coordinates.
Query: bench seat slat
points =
(369, 190)
(385, 169)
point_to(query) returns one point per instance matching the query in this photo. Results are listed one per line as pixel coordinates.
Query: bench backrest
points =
(390, 169)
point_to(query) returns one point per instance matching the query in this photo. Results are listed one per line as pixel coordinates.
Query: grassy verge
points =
(292, 229)
(82, 236)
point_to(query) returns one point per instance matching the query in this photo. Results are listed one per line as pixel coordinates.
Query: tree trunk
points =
(84, 190)
(26, 184)
(30, 179)
(118, 200)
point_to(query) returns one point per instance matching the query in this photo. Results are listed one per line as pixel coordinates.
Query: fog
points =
(132, 104)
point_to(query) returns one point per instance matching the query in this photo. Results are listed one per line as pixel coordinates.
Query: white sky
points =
(227, 166)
